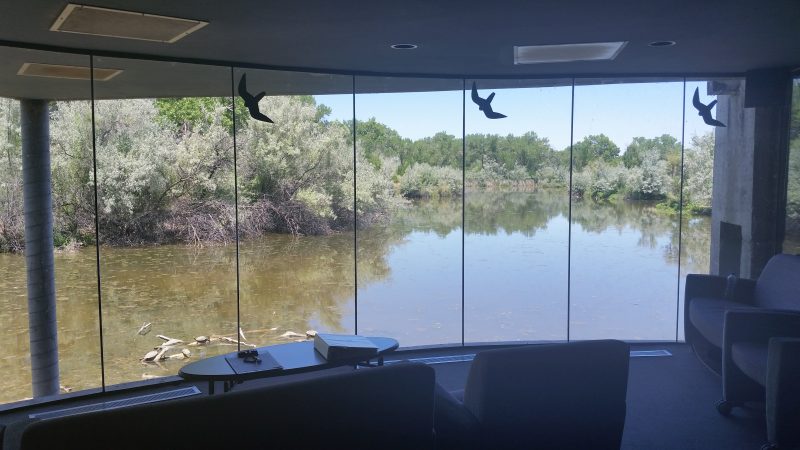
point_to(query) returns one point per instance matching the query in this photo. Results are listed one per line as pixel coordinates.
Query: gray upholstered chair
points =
(761, 363)
(383, 407)
(549, 396)
(708, 298)
(749, 331)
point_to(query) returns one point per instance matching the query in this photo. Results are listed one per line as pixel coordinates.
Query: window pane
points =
(296, 206)
(70, 138)
(409, 209)
(166, 210)
(626, 175)
(517, 209)
(791, 244)
(698, 180)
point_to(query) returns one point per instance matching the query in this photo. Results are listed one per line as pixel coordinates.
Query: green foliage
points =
(424, 180)
(699, 172)
(165, 169)
(592, 148)
(662, 147)
(649, 179)
(12, 236)
(191, 113)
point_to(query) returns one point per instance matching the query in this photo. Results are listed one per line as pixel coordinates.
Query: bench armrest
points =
(698, 285)
(759, 325)
(714, 286)
(783, 391)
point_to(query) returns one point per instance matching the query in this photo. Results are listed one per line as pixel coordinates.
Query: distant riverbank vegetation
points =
(166, 170)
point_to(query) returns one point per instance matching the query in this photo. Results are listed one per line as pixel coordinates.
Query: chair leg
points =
(725, 407)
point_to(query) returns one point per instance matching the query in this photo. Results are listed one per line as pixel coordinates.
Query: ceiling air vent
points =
(536, 54)
(68, 72)
(123, 24)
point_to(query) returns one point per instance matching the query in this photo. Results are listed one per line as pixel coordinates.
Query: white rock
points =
(150, 355)
(292, 335)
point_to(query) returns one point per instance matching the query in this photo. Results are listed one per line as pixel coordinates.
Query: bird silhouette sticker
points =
(704, 111)
(251, 102)
(485, 104)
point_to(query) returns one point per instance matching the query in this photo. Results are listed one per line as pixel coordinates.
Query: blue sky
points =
(621, 111)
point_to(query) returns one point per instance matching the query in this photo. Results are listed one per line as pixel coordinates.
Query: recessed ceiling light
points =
(123, 24)
(535, 54)
(404, 46)
(661, 44)
(68, 72)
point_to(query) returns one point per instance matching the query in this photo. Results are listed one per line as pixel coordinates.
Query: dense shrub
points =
(423, 180)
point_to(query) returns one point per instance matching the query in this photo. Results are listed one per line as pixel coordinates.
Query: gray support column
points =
(750, 160)
(39, 246)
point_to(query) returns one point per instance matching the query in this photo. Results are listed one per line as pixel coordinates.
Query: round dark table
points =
(295, 357)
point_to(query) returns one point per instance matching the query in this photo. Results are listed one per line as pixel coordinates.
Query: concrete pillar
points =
(750, 160)
(35, 121)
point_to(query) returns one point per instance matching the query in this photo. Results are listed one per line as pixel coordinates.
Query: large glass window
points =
(295, 179)
(791, 243)
(164, 139)
(517, 211)
(409, 184)
(378, 205)
(61, 82)
(626, 167)
(698, 179)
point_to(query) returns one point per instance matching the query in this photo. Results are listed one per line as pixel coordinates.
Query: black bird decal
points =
(485, 104)
(704, 111)
(252, 102)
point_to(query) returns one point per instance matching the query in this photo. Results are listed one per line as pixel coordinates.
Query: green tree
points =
(11, 223)
(699, 172)
(376, 140)
(592, 148)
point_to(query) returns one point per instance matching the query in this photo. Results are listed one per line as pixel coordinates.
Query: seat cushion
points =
(779, 283)
(751, 359)
(708, 316)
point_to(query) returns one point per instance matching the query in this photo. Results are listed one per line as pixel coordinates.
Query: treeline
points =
(166, 170)
(649, 169)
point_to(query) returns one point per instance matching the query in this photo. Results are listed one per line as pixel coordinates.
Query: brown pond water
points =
(625, 284)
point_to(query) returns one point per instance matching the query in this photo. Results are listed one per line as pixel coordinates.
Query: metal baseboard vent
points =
(471, 356)
(649, 353)
(115, 404)
(438, 359)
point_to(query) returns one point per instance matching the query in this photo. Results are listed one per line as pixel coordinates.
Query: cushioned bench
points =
(708, 298)
(750, 332)
(384, 407)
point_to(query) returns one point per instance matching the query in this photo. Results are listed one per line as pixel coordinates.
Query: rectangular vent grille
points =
(649, 353)
(122, 403)
(438, 359)
(67, 72)
(596, 51)
(471, 356)
(123, 24)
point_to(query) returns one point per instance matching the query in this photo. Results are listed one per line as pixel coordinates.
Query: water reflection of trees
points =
(492, 213)
(291, 283)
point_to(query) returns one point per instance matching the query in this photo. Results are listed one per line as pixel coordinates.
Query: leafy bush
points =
(649, 180)
(423, 180)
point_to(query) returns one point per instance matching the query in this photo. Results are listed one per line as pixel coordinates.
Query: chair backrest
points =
(778, 286)
(553, 396)
(385, 407)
